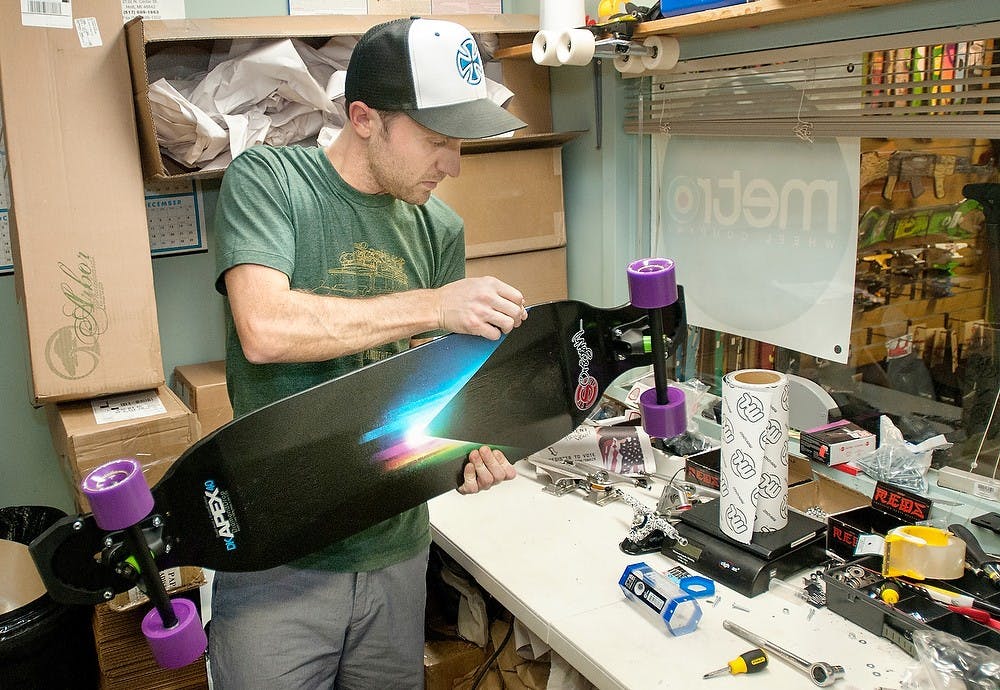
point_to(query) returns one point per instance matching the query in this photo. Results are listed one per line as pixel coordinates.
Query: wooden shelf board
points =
(744, 16)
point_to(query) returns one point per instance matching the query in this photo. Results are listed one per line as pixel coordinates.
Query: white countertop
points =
(554, 563)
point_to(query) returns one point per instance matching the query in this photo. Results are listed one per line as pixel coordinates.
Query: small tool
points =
(951, 597)
(748, 662)
(820, 672)
(978, 615)
(985, 563)
(889, 593)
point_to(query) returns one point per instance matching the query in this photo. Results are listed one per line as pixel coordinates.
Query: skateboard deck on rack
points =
(326, 463)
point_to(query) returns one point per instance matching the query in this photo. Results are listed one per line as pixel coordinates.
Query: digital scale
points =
(746, 568)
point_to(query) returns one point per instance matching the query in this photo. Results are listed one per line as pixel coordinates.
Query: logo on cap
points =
(470, 67)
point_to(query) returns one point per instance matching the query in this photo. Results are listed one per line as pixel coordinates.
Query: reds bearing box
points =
(891, 507)
(703, 468)
(837, 442)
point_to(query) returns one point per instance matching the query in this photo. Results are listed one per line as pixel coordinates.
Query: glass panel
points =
(925, 345)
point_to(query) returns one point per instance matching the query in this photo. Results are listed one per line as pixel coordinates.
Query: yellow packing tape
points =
(921, 552)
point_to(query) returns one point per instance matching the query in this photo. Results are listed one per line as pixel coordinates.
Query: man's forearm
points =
(305, 327)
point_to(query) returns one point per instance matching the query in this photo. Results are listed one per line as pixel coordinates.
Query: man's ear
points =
(362, 118)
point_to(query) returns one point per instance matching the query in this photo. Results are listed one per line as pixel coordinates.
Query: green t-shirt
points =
(287, 208)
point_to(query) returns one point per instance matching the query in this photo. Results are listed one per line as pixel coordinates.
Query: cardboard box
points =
(175, 580)
(703, 468)
(540, 276)
(526, 184)
(890, 507)
(78, 216)
(87, 434)
(197, 43)
(837, 442)
(202, 387)
(821, 497)
(445, 661)
(124, 658)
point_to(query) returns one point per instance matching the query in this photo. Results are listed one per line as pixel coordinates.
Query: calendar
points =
(175, 213)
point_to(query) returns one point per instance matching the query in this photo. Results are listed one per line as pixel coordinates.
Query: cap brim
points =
(470, 120)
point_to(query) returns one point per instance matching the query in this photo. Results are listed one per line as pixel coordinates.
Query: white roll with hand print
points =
(754, 473)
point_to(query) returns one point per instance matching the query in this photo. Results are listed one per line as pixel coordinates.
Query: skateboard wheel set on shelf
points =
(580, 46)
(567, 36)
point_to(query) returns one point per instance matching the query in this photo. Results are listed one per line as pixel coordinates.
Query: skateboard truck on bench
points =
(652, 286)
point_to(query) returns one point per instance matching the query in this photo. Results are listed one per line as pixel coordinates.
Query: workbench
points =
(554, 563)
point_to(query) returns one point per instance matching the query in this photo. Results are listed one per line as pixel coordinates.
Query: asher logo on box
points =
(73, 350)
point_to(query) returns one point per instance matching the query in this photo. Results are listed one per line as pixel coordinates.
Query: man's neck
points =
(349, 157)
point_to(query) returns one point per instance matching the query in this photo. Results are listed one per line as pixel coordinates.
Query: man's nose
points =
(451, 160)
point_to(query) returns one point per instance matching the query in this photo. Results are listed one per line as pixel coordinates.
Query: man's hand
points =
(485, 468)
(485, 306)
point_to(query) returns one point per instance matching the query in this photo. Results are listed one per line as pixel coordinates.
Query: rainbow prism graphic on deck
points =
(402, 438)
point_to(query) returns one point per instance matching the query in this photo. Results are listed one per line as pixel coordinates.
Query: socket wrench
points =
(820, 672)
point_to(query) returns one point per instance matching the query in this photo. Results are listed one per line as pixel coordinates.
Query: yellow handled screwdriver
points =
(747, 662)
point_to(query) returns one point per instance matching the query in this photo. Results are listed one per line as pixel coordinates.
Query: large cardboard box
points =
(125, 659)
(78, 217)
(445, 661)
(154, 427)
(511, 200)
(202, 387)
(195, 44)
(540, 276)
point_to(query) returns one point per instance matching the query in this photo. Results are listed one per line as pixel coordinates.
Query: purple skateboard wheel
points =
(118, 494)
(663, 421)
(180, 645)
(652, 283)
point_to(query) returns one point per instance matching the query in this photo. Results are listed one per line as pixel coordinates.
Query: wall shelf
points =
(750, 15)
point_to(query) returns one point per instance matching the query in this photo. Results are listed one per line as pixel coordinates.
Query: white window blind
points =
(944, 82)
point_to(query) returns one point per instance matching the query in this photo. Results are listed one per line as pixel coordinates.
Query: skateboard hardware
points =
(656, 595)
(614, 38)
(121, 503)
(649, 528)
(820, 673)
(595, 482)
(653, 286)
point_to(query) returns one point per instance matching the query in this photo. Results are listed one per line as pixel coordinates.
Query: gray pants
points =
(292, 628)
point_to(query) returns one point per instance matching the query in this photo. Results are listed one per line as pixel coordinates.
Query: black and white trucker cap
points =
(431, 70)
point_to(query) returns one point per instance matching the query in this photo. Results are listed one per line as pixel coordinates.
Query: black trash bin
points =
(43, 644)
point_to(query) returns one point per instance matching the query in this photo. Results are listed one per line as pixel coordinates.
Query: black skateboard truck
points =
(652, 285)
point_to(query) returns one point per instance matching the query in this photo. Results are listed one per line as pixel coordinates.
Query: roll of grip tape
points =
(753, 486)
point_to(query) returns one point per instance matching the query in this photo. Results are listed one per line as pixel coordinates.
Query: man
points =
(330, 260)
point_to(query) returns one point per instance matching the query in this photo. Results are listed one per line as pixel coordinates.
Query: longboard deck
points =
(326, 463)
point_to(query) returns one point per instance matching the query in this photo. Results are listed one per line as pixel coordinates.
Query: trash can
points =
(43, 644)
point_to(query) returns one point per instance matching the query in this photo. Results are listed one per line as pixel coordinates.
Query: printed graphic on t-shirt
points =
(367, 272)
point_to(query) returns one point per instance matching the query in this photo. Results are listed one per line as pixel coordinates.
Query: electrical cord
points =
(493, 657)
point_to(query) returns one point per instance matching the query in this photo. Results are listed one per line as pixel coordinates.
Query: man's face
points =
(408, 160)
